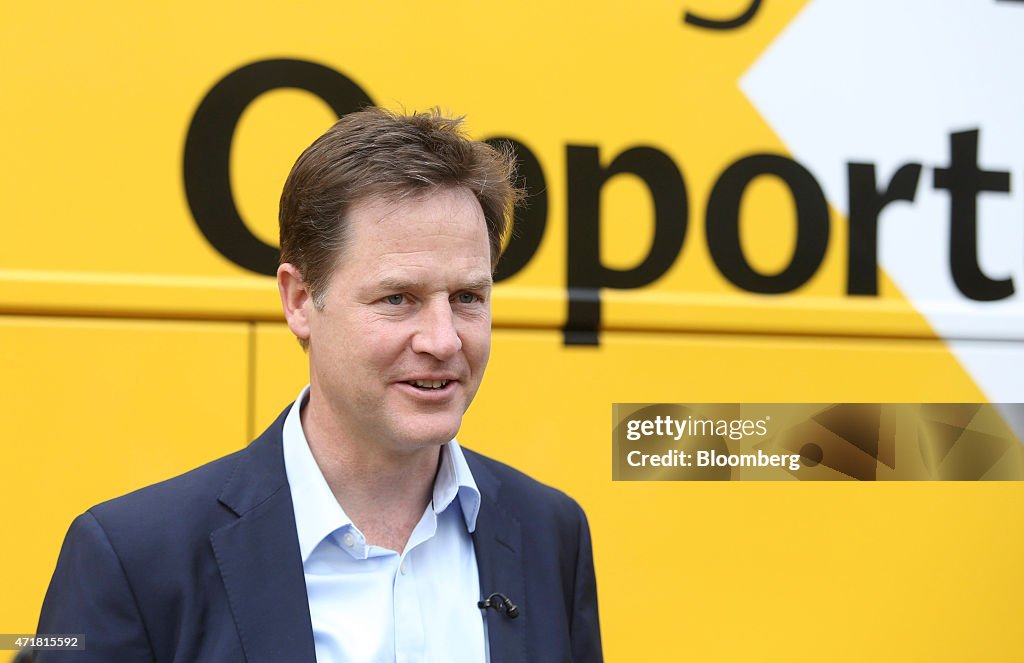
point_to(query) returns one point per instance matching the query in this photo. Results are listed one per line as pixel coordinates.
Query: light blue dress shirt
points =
(370, 604)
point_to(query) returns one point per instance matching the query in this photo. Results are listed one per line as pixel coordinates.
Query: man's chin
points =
(430, 434)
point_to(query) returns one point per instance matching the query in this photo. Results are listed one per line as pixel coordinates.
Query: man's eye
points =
(395, 299)
(467, 298)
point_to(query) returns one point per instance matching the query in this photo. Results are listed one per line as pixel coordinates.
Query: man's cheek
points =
(483, 351)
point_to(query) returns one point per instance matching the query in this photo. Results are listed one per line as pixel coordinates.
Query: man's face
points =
(399, 347)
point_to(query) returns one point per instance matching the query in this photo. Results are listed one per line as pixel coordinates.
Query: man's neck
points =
(383, 492)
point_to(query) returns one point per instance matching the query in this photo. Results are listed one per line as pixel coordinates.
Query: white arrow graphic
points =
(887, 83)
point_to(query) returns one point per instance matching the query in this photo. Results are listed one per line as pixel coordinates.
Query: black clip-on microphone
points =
(501, 603)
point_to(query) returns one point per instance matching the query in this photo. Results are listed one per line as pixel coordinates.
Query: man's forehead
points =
(384, 204)
(439, 237)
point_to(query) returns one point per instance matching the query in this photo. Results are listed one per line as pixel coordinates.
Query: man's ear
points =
(295, 299)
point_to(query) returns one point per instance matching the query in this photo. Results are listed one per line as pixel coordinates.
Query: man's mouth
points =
(428, 384)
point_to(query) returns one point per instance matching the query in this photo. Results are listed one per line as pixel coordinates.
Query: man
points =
(355, 528)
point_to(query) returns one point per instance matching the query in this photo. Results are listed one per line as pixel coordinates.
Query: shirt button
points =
(348, 539)
(403, 568)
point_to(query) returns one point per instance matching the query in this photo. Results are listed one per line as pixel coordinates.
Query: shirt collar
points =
(317, 512)
(455, 480)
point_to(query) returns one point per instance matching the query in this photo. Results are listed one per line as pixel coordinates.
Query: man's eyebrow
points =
(482, 283)
(400, 285)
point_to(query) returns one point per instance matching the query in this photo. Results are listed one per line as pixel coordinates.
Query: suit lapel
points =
(498, 543)
(259, 557)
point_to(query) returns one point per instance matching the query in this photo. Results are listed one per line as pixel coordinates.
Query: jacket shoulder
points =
(175, 511)
(172, 496)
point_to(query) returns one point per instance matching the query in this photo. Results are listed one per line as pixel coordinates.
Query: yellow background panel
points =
(106, 180)
(93, 409)
(756, 571)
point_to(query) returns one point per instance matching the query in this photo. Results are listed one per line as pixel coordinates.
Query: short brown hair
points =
(375, 152)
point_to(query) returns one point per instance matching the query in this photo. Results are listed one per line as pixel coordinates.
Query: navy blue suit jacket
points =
(206, 567)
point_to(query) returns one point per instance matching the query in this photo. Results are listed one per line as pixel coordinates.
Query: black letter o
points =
(208, 149)
(723, 233)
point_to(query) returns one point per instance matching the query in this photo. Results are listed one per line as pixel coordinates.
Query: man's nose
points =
(437, 333)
